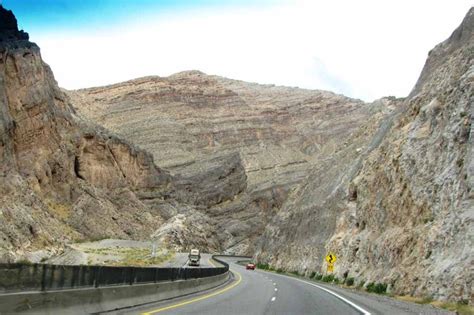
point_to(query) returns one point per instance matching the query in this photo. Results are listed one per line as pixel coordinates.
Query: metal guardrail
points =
(44, 277)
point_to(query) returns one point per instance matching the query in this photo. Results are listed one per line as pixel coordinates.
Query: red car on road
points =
(250, 266)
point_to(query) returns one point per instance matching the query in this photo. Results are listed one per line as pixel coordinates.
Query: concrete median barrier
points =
(102, 299)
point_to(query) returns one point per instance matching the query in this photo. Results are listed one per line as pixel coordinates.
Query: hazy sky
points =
(364, 49)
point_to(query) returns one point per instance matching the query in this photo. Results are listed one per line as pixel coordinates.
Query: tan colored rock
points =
(62, 179)
(405, 216)
(235, 149)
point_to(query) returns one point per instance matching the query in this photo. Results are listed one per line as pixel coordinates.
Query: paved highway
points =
(254, 292)
(257, 292)
(181, 260)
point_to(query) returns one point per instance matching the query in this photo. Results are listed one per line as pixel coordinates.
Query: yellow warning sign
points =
(330, 267)
(331, 258)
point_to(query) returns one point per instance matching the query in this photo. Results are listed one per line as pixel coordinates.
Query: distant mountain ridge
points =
(201, 128)
(283, 173)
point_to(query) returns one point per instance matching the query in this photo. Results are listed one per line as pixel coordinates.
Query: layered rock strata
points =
(61, 178)
(236, 149)
(404, 214)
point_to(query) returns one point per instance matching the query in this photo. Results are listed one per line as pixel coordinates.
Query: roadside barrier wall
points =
(43, 277)
(48, 289)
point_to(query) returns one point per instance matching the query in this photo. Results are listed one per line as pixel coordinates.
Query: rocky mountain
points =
(62, 179)
(384, 185)
(283, 173)
(236, 149)
(232, 151)
(403, 213)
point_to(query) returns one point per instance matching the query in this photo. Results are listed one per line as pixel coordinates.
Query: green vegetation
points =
(141, 257)
(295, 272)
(361, 284)
(379, 288)
(318, 276)
(264, 266)
(461, 308)
(267, 267)
(91, 239)
(128, 256)
(328, 278)
(349, 282)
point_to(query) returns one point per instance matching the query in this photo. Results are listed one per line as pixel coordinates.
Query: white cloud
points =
(364, 49)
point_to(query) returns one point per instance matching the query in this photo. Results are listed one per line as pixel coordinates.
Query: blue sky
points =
(48, 15)
(365, 49)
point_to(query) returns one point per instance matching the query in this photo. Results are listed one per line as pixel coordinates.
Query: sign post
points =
(330, 268)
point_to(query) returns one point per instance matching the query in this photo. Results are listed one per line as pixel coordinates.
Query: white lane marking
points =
(357, 307)
(273, 299)
(276, 289)
(274, 283)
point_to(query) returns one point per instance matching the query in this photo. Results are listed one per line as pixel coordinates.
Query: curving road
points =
(259, 292)
(181, 260)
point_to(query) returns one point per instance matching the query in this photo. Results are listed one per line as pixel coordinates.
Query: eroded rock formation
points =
(62, 179)
(404, 214)
(235, 149)
(285, 173)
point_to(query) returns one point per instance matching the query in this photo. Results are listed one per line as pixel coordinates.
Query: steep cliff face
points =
(296, 236)
(60, 178)
(285, 173)
(406, 217)
(236, 149)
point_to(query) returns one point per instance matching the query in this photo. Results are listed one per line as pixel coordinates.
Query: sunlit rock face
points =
(232, 151)
(283, 173)
(62, 179)
(404, 215)
(235, 149)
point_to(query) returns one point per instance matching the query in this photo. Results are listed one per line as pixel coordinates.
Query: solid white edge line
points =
(357, 307)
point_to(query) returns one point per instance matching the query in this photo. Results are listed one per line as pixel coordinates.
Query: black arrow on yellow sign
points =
(331, 258)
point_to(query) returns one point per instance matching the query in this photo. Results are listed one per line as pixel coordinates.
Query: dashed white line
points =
(276, 289)
(357, 307)
(274, 283)
(273, 299)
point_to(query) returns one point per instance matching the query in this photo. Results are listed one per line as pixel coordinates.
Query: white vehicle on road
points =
(194, 257)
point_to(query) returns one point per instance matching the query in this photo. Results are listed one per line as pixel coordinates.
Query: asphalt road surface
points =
(258, 292)
(181, 260)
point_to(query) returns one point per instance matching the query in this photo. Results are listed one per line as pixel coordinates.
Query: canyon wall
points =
(62, 179)
(283, 173)
(235, 149)
(404, 215)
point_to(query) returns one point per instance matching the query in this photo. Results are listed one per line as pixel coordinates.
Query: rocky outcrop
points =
(414, 194)
(296, 237)
(405, 216)
(285, 173)
(235, 149)
(61, 178)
